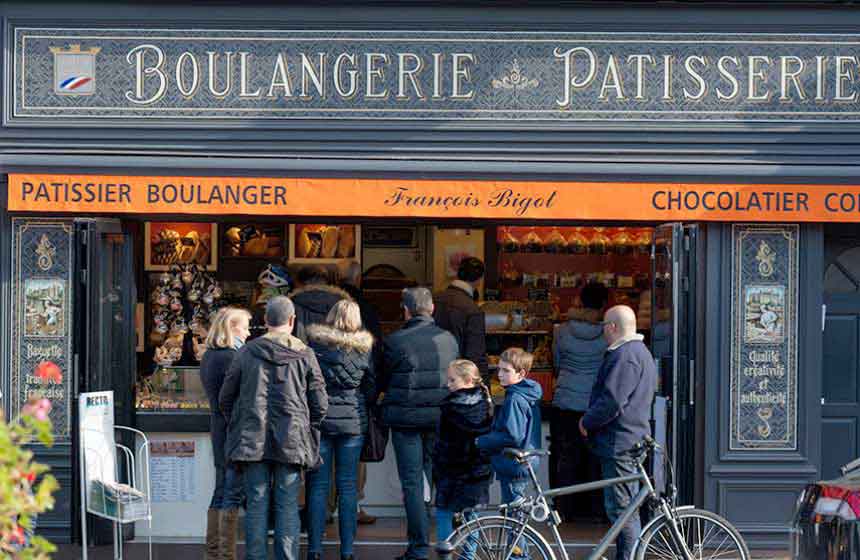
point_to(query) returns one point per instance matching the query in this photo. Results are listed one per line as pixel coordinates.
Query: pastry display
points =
(508, 242)
(254, 241)
(345, 242)
(555, 242)
(599, 244)
(309, 244)
(329, 242)
(326, 242)
(622, 243)
(169, 246)
(577, 243)
(165, 247)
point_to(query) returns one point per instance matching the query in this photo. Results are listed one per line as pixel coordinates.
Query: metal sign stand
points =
(100, 466)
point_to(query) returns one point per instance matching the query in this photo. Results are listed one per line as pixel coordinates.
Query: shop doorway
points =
(105, 326)
(840, 396)
(673, 344)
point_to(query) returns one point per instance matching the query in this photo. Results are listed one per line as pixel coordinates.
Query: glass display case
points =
(172, 389)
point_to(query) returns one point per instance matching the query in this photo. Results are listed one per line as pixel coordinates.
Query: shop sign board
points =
(189, 77)
(763, 400)
(436, 199)
(42, 297)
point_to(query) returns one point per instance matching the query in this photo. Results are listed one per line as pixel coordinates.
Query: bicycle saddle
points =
(521, 456)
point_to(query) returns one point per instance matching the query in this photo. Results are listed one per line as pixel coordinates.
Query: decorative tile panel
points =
(42, 311)
(763, 402)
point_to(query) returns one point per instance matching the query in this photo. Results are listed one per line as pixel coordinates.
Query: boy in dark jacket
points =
(516, 425)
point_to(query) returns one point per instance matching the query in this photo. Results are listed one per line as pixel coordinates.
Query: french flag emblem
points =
(73, 83)
(74, 70)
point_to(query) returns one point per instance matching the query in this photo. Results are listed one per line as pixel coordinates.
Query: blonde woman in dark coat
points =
(226, 335)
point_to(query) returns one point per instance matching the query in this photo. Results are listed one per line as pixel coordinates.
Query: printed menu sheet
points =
(172, 471)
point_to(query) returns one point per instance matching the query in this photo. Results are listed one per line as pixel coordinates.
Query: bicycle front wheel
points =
(707, 536)
(498, 538)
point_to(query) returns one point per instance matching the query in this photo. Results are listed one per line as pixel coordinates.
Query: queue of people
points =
(294, 404)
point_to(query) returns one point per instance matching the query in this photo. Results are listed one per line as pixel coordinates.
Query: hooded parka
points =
(274, 397)
(346, 364)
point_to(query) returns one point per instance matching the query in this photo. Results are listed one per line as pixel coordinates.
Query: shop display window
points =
(173, 389)
(541, 272)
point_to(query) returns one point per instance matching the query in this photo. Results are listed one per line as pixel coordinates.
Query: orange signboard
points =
(439, 199)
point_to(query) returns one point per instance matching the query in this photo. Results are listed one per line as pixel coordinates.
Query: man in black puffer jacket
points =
(413, 378)
(314, 299)
(274, 397)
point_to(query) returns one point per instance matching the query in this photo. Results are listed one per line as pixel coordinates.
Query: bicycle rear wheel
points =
(707, 535)
(498, 538)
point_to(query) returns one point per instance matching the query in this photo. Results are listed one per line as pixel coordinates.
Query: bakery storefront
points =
(154, 173)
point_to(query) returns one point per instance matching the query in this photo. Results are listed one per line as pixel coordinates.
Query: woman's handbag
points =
(376, 439)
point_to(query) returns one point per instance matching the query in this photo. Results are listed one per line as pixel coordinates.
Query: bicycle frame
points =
(646, 491)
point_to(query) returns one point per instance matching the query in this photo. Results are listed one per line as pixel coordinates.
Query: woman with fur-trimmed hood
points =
(343, 351)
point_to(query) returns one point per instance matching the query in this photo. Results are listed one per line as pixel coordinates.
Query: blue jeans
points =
(278, 483)
(343, 453)
(445, 527)
(414, 453)
(228, 488)
(617, 498)
(512, 490)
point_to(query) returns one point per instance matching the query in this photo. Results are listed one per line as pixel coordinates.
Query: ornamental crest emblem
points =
(45, 252)
(75, 70)
(765, 257)
(515, 79)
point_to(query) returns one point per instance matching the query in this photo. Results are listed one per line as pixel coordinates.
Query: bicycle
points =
(684, 532)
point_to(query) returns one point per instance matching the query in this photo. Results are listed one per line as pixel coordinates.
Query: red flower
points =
(49, 372)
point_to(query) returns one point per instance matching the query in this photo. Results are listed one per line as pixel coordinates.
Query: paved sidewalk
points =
(381, 541)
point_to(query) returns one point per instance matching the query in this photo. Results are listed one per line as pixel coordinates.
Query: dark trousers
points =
(228, 492)
(414, 453)
(617, 499)
(571, 462)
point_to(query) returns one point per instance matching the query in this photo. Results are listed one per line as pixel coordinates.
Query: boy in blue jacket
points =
(517, 425)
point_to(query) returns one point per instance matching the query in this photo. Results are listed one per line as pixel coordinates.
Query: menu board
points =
(764, 337)
(172, 470)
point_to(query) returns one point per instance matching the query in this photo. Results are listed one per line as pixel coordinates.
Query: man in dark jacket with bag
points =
(414, 380)
(619, 414)
(274, 397)
(457, 313)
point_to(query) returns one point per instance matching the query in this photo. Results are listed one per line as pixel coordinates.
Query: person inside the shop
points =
(415, 360)
(618, 414)
(275, 399)
(457, 313)
(314, 298)
(350, 283)
(343, 351)
(516, 425)
(227, 334)
(462, 473)
(578, 348)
